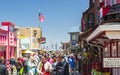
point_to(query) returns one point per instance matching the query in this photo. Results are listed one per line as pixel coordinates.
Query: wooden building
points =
(103, 36)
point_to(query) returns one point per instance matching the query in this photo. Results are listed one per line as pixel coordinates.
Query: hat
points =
(12, 57)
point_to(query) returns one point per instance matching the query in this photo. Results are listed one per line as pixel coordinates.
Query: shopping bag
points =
(21, 71)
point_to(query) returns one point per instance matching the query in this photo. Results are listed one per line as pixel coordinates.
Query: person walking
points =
(25, 65)
(59, 66)
(44, 67)
(31, 66)
(71, 61)
(3, 69)
(12, 64)
(18, 65)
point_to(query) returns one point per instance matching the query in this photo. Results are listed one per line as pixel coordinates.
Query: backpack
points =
(18, 65)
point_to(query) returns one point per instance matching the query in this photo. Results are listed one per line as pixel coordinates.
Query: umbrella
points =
(27, 51)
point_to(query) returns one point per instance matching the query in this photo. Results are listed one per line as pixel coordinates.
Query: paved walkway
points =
(77, 73)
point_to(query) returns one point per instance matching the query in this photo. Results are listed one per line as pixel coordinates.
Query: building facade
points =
(8, 42)
(29, 38)
(103, 40)
(66, 47)
(74, 32)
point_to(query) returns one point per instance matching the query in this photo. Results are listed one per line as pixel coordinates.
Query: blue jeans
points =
(18, 71)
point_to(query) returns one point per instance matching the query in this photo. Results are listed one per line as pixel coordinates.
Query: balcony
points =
(113, 15)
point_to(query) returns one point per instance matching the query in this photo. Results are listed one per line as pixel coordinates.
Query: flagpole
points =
(41, 19)
(40, 47)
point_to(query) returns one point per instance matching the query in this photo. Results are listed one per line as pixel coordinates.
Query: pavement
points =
(77, 73)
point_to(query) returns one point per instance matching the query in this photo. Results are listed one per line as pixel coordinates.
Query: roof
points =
(106, 27)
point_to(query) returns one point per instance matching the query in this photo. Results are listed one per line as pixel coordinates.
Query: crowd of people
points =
(40, 64)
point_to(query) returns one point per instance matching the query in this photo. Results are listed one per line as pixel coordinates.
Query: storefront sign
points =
(22, 37)
(111, 62)
(42, 40)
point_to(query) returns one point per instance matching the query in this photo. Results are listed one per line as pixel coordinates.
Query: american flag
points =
(41, 17)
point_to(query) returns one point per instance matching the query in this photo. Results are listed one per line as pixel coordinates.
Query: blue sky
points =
(60, 16)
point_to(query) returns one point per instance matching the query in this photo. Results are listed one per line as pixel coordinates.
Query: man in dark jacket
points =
(62, 67)
(65, 66)
(3, 70)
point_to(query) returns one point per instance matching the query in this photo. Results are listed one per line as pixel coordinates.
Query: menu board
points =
(111, 62)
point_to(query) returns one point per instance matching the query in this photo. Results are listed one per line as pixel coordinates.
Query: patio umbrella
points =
(27, 51)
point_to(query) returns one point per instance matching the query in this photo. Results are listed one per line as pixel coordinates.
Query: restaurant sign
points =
(111, 62)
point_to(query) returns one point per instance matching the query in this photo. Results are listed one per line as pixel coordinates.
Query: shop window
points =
(114, 50)
(91, 20)
(118, 49)
(107, 51)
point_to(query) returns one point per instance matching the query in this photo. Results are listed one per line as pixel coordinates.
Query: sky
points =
(60, 16)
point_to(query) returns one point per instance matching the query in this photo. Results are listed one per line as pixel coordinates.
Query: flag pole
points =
(39, 18)
(39, 28)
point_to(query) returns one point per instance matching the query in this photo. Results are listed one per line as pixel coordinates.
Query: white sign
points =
(111, 62)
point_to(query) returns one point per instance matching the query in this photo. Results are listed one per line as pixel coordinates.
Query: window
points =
(34, 33)
(114, 50)
(90, 19)
(107, 50)
(118, 49)
(115, 1)
(74, 37)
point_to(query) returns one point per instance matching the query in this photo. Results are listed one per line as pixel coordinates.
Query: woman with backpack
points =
(18, 65)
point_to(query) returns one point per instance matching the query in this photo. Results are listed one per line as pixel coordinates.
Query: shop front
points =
(8, 41)
(108, 37)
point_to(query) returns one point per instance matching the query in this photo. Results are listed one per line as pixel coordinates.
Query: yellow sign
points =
(21, 36)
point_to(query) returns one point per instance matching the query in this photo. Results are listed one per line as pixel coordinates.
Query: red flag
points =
(83, 24)
(118, 1)
(41, 17)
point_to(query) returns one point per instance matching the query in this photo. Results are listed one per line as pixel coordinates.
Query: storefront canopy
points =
(108, 30)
